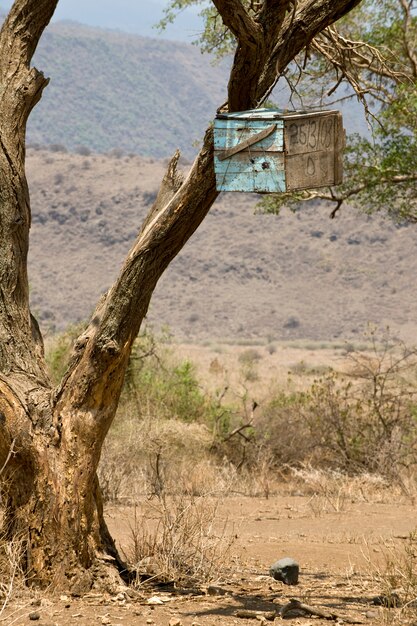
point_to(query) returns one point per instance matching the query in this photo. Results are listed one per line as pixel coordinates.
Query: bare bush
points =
(365, 421)
(395, 576)
(154, 455)
(361, 421)
(186, 543)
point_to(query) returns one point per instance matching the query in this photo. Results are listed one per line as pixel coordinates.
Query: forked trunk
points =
(53, 506)
(51, 439)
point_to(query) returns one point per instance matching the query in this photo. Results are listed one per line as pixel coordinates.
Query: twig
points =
(11, 451)
(238, 431)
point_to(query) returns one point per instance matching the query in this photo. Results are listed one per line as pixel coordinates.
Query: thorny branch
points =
(340, 197)
(354, 62)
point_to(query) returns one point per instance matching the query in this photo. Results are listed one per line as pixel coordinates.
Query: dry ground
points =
(339, 552)
(341, 531)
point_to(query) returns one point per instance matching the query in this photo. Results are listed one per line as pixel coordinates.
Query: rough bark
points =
(52, 438)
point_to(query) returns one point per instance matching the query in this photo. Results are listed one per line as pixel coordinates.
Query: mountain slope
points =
(111, 89)
(297, 276)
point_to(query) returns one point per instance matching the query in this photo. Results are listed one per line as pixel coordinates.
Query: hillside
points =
(113, 90)
(109, 90)
(242, 276)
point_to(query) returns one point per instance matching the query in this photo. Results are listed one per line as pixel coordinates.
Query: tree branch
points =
(171, 183)
(410, 46)
(339, 197)
(239, 22)
(298, 30)
(22, 30)
(20, 89)
(104, 349)
(272, 15)
(355, 61)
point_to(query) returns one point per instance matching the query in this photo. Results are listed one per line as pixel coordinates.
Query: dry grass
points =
(154, 455)
(335, 487)
(179, 538)
(12, 575)
(395, 575)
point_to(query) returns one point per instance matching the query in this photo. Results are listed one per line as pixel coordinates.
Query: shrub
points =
(82, 150)
(282, 429)
(248, 359)
(364, 420)
(57, 147)
(186, 544)
(161, 386)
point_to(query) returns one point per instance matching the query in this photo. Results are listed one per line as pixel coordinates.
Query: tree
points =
(51, 438)
(373, 50)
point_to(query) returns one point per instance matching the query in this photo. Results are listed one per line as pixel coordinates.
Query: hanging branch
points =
(354, 61)
(339, 196)
(409, 41)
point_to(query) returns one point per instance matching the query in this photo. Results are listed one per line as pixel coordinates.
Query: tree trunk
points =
(51, 439)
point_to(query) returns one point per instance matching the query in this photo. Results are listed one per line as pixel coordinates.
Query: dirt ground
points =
(339, 552)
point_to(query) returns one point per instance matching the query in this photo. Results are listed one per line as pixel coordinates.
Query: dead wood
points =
(295, 608)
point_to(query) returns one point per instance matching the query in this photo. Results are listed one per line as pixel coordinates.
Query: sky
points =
(134, 16)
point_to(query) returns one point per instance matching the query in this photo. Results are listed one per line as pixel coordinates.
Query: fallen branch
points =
(245, 613)
(295, 608)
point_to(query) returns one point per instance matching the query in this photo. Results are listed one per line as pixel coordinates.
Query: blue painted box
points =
(268, 151)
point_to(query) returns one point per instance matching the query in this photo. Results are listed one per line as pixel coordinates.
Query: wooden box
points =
(268, 151)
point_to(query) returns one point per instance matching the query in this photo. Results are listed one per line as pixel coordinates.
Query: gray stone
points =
(286, 570)
(389, 600)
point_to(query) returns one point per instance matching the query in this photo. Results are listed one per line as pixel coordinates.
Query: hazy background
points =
(117, 106)
(133, 16)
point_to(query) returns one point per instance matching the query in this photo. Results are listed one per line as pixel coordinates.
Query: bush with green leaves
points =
(160, 384)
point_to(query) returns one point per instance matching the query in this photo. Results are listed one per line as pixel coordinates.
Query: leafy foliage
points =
(381, 172)
(373, 52)
(215, 37)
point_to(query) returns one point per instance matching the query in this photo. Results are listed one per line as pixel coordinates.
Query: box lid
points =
(269, 114)
(254, 114)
